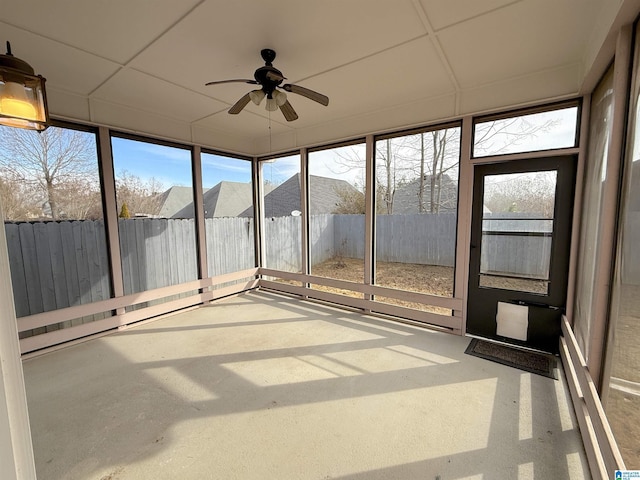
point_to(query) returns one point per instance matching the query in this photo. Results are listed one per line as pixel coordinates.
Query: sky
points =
(172, 166)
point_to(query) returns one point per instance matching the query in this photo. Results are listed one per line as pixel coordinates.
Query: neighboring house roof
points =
(173, 200)
(226, 199)
(406, 200)
(285, 198)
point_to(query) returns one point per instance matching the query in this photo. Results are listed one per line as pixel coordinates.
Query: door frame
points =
(481, 302)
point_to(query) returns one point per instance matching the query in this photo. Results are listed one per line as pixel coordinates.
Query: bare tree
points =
(79, 200)
(499, 136)
(351, 201)
(528, 193)
(17, 201)
(142, 197)
(437, 153)
(392, 170)
(44, 161)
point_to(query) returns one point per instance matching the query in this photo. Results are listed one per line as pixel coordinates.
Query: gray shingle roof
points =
(285, 198)
(226, 199)
(175, 199)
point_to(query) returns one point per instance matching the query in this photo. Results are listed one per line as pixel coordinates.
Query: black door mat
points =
(532, 362)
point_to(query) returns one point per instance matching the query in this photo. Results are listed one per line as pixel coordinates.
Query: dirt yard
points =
(430, 279)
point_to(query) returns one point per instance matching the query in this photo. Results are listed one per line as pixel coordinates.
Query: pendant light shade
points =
(23, 100)
(256, 96)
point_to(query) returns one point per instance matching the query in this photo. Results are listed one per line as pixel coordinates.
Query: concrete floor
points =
(266, 387)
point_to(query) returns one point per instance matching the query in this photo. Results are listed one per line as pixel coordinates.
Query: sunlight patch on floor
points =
(180, 385)
(525, 420)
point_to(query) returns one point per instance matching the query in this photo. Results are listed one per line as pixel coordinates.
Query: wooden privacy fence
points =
(520, 246)
(57, 264)
(157, 252)
(61, 264)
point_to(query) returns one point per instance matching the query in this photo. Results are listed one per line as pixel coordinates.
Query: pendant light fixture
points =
(23, 100)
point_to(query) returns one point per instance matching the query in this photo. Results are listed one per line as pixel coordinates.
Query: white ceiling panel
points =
(400, 75)
(517, 40)
(441, 14)
(141, 65)
(214, 43)
(113, 29)
(252, 121)
(138, 121)
(139, 90)
(64, 67)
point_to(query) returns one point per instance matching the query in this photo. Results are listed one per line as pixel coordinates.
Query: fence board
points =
(16, 265)
(45, 272)
(136, 249)
(58, 274)
(31, 273)
(68, 255)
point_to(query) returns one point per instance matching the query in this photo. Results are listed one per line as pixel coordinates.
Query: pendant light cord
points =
(269, 132)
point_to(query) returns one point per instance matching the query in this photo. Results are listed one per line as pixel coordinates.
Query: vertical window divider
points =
(304, 206)
(465, 201)
(198, 204)
(369, 222)
(258, 212)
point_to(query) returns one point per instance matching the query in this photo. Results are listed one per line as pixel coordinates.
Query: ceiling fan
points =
(270, 79)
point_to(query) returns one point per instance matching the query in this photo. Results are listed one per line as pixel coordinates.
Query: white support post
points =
(16, 449)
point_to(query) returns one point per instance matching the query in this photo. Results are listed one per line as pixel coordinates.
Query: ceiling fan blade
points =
(235, 80)
(240, 104)
(288, 111)
(305, 92)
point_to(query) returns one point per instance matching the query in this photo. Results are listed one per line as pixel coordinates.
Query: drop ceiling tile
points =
(522, 90)
(249, 122)
(518, 40)
(67, 105)
(130, 119)
(220, 41)
(400, 75)
(141, 91)
(442, 13)
(217, 140)
(113, 29)
(64, 67)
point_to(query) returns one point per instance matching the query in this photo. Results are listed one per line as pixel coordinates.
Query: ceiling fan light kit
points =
(270, 80)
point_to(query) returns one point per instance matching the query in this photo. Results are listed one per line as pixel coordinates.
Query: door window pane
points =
(517, 231)
(228, 213)
(526, 133)
(50, 190)
(157, 232)
(282, 220)
(416, 213)
(336, 214)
